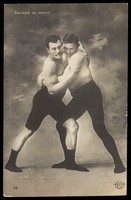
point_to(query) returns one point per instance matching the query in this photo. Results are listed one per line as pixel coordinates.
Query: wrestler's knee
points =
(71, 125)
(27, 133)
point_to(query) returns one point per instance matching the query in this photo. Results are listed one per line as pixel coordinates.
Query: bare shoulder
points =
(76, 60)
(49, 66)
(79, 56)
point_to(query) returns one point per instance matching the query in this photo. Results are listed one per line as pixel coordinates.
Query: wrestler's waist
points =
(86, 86)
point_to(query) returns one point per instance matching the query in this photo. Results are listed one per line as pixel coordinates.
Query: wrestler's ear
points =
(47, 49)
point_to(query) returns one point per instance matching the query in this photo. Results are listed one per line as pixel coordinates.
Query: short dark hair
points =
(51, 38)
(71, 38)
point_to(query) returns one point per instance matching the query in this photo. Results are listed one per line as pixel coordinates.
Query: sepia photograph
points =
(65, 99)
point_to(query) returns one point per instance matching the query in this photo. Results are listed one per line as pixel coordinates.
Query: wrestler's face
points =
(55, 50)
(70, 48)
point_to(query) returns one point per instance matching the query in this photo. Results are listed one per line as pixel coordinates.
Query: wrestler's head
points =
(70, 44)
(53, 46)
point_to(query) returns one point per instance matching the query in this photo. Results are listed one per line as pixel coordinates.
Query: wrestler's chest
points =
(61, 68)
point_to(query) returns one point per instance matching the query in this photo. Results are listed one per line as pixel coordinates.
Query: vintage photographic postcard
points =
(99, 85)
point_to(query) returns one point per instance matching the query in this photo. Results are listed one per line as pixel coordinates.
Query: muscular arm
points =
(75, 64)
(51, 79)
(76, 61)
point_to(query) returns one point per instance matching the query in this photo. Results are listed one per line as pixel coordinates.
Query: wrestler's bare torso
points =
(79, 62)
(62, 68)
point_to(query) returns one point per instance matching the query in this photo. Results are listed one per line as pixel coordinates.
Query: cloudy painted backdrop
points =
(102, 28)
